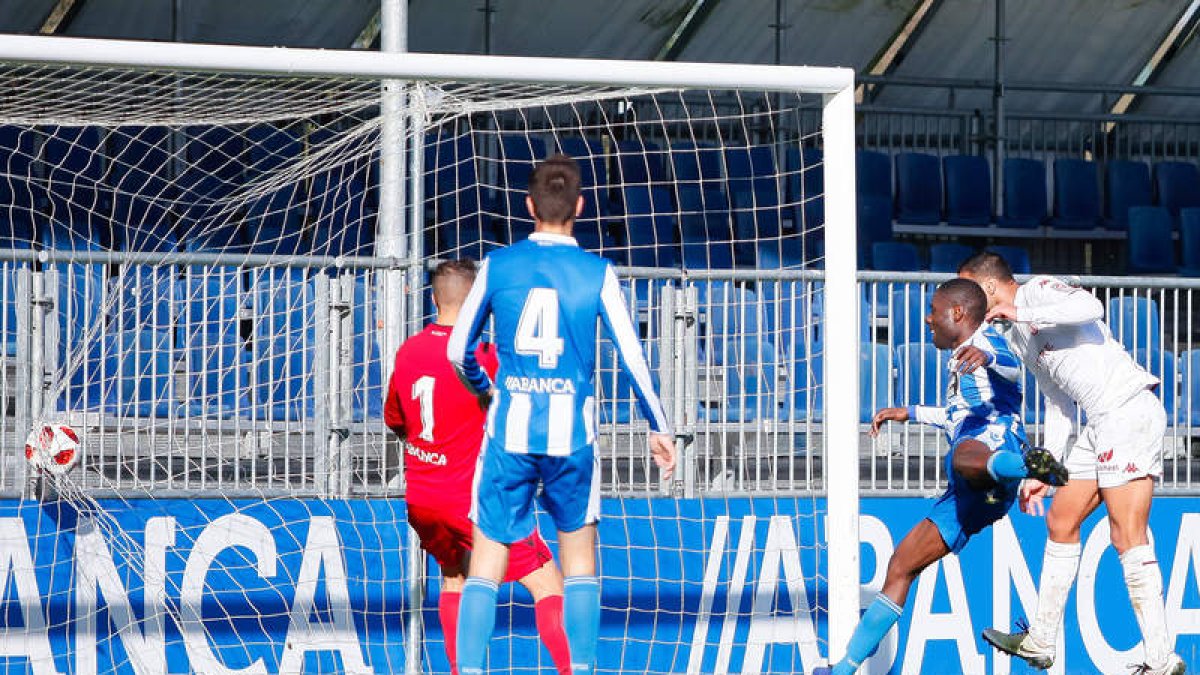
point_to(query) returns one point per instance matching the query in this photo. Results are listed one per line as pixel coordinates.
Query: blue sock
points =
(476, 620)
(1005, 467)
(879, 618)
(581, 617)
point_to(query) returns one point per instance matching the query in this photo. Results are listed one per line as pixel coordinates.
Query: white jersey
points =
(1061, 337)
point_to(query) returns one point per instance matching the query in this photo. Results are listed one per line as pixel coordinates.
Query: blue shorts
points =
(506, 484)
(963, 511)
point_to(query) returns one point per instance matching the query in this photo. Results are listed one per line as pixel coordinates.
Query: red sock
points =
(549, 616)
(448, 614)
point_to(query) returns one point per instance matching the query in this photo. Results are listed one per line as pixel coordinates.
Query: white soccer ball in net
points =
(53, 448)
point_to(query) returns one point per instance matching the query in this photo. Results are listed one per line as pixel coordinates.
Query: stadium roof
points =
(1104, 42)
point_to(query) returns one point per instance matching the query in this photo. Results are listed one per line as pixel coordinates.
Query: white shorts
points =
(1121, 446)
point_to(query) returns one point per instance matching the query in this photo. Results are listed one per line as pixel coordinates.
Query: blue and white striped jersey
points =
(988, 396)
(545, 294)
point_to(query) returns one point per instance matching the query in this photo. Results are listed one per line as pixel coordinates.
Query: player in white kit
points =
(1058, 331)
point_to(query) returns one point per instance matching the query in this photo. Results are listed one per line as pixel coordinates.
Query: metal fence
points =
(267, 379)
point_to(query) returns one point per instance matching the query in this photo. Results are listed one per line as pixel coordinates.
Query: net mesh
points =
(191, 282)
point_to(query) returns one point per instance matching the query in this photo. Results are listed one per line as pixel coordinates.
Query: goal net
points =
(206, 274)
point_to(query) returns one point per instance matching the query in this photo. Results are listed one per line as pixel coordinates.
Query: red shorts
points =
(448, 539)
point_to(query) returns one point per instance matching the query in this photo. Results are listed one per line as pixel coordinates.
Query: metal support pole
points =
(1000, 121)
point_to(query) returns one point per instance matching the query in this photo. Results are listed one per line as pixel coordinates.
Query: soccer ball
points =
(53, 448)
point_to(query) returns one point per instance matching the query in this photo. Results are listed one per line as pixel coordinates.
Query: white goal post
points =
(834, 85)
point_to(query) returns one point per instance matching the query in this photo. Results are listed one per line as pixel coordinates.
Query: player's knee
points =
(543, 582)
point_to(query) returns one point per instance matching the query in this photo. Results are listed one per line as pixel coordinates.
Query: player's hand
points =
(485, 399)
(1005, 311)
(1030, 496)
(970, 358)
(887, 415)
(662, 448)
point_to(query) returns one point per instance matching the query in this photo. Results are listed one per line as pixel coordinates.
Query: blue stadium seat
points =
(593, 173)
(145, 207)
(918, 189)
(707, 240)
(640, 163)
(143, 373)
(754, 193)
(650, 230)
(148, 297)
(909, 307)
(73, 164)
(143, 225)
(1076, 195)
(282, 302)
(1016, 257)
(11, 271)
(16, 164)
(1178, 185)
(211, 301)
(697, 162)
(1189, 242)
(968, 190)
(874, 224)
(342, 224)
(1162, 364)
(269, 147)
(519, 153)
(283, 377)
(756, 217)
(82, 289)
(218, 376)
(614, 389)
(873, 174)
(1151, 249)
(791, 314)
(947, 257)
(1127, 184)
(368, 385)
(592, 235)
(209, 236)
(452, 193)
(730, 310)
(215, 158)
(786, 252)
(874, 380)
(805, 174)
(921, 374)
(895, 256)
(1189, 395)
(275, 222)
(749, 371)
(1135, 322)
(1025, 202)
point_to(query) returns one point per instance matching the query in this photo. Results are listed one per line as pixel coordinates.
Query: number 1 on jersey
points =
(537, 330)
(422, 390)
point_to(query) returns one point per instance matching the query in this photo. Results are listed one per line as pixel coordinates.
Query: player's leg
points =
(1136, 432)
(571, 496)
(453, 578)
(921, 547)
(447, 537)
(502, 508)
(531, 564)
(982, 466)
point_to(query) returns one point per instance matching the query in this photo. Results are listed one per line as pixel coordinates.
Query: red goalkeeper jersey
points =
(441, 422)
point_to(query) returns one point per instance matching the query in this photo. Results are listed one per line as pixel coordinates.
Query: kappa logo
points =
(1105, 457)
(1131, 468)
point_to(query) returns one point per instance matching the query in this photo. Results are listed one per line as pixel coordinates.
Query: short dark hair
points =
(554, 188)
(987, 264)
(968, 295)
(445, 291)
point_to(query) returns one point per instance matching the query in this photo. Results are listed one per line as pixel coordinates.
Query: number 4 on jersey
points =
(537, 330)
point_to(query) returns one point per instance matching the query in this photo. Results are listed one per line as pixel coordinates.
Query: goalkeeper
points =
(988, 457)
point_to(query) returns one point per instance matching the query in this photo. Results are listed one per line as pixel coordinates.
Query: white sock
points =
(1060, 564)
(1144, 581)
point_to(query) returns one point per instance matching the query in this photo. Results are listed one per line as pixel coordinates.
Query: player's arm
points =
(1058, 425)
(932, 415)
(393, 412)
(460, 349)
(1051, 302)
(615, 315)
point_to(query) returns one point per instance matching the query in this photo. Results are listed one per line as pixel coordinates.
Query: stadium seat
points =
(211, 300)
(731, 310)
(143, 373)
(1016, 257)
(519, 153)
(909, 307)
(1178, 186)
(454, 215)
(786, 252)
(968, 190)
(790, 315)
(918, 189)
(749, 373)
(873, 175)
(1151, 249)
(147, 297)
(592, 235)
(283, 384)
(1025, 203)
(81, 291)
(615, 399)
(72, 162)
(11, 273)
(282, 302)
(342, 225)
(650, 232)
(947, 257)
(270, 147)
(16, 164)
(215, 163)
(895, 256)
(593, 173)
(1127, 184)
(921, 374)
(1135, 322)
(874, 380)
(874, 225)
(1076, 195)
(275, 222)
(756, 217)
(805, 175)
(1189, 242)
(641, 163)
(696, 162)
(707, 240)
(1189, 395)
(142, 225)
(218, 376)
(1162, 364)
